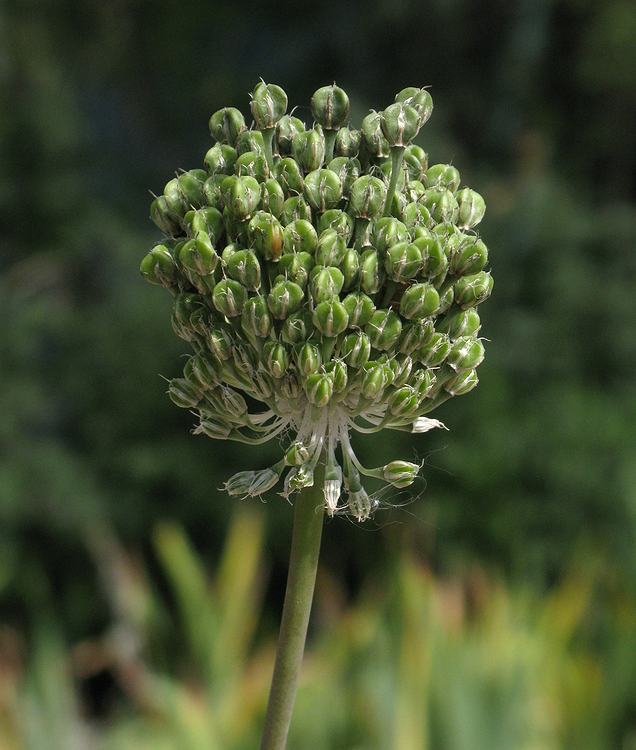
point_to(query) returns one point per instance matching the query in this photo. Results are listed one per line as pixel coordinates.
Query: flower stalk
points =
(303, 563)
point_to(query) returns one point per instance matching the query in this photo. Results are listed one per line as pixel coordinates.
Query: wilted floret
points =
(328, 273)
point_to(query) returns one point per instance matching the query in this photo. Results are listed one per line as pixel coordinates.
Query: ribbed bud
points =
(295, 208)
(214, 428)
(403, 401)
(384, 329)
(255, 317)
(371, 271)
(331, 249)
(339, 374)
(356, 349)
(473, 290)
(158, 267)
(462, 383)
(472, 208)
(300, 237)
(470, 257)
(401, 473)
(339, 221)
(244, 267)
(308, 149)
(330, 107)
(325, 282)
(296, 267)
(287, 128)
(350, 267)
(243, 197)
(276, 358)
(308, 358)
(183, 394)
(419, 99)
(289, 176)
(388, 231)
(272, 197)
(319, 388)
(466, 353)
(330, 317)
(284, 298)
(322, 189)
(297, 328)
(400, 123)
(360, 309)
(441, 204)
(443, 177)
(403, 261)
(229, 296)
(367, 197)
(419, 301)
(220, 159)
(348, 142)
(268, 105)
(460, 323)
(415, 161)
(435, 351)
(250, 141)
(266, 235)
(226, 124)
(373, 137)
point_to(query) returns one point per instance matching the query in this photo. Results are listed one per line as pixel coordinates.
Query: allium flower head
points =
(327, 279)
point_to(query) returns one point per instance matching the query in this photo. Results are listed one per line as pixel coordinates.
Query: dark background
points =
(535, 103)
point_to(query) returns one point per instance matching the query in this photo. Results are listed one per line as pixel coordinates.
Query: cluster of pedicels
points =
(328, 281)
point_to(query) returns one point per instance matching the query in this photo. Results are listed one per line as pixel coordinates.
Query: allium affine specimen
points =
(328, 280)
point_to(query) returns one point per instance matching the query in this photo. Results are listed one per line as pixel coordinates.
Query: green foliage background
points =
(535, 104)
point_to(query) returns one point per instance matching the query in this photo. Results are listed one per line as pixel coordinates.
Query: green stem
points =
(330, 139)
(397, 156)
(303, 563)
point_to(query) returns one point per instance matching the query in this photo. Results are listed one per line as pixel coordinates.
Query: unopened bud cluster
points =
(327, 279)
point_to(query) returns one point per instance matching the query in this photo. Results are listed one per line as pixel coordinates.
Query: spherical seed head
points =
(330, 107)
(336, 294)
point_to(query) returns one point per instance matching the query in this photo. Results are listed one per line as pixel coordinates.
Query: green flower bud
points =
(174, 198)
(462, 383)
(163, 217)
(434, 261)
(446, 297)
(295, 208)
(441, 205)
(470, 258)
(415, 161)
(402, 366)
(330, 107)
(220, 343)
(416, 215)
(319, 388)
(212, 191)
(473, 290)
(208, 220)
(272, 197)
(158, 267)
(356, 349)
(287, 128)
(388, 231)
(338, 220)
(322, 189)
(400, 123)
(185, 305)
(350, 267)
(403, 401)
(360, 309)
(339, 374)
(252, 164)
(401, 473)
(371, 271)
(255, 318)
(373, 380)
(206, 370)
(373, 137)
(284, 299)
(308, 358)
(472, 208)
(289, 387)
(243, 266)
(415, 335)
(243, 197)
(308, 149)
(183, 394)
(266, 235)
(297, 328)
(330, 317)
(226, 124)
(419, 301)
(268, 105)
(276, 358)
(384, 329)
(297, 454)
(229, 297)
(443, 177)
(347, 171)
(325, 282)
(347, 142)
(460, 323)
(214, 428)
(435, 351)
(289, 176)
(300, 237)
(403, 261)
(466, 353)
(423, 381)
(367, 197)
(296, 267)
(220, 159)
(331, 249)
(419, 99)
(251, 141)
(232, 403)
